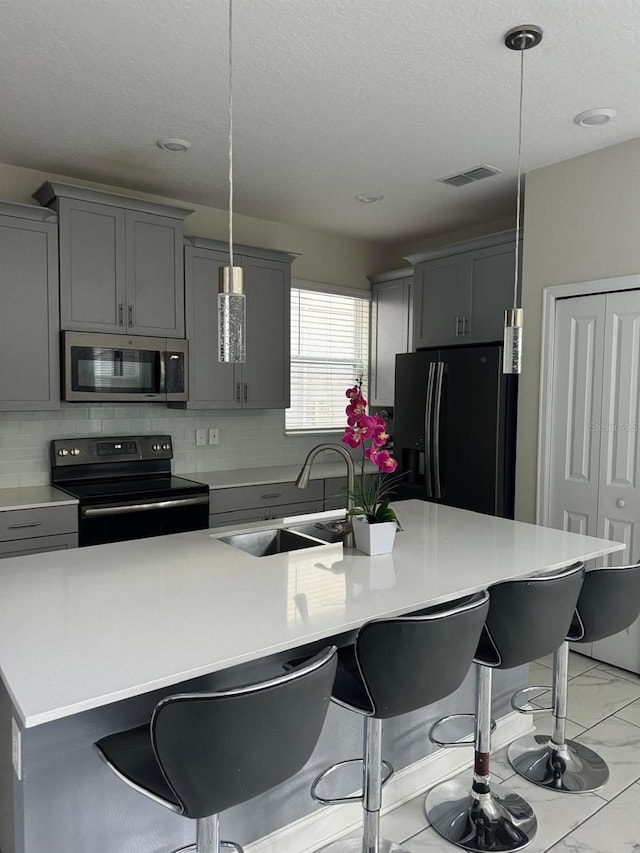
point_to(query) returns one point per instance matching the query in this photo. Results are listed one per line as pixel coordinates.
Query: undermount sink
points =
(264, 543)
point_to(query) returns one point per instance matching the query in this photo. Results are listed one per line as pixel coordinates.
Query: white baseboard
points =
(325, 825)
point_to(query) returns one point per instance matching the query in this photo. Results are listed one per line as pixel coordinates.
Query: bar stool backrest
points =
(529, 618)
(220, 749)
(609, 602)
(409, 662)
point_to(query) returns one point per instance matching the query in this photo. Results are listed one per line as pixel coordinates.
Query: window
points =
(329, 350)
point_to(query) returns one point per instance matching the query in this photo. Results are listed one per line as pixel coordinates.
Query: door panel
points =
(437, 302)
(577, 395)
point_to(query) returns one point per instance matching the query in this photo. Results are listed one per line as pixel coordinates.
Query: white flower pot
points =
(373, 539)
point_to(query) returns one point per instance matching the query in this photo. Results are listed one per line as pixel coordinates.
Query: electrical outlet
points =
(16, 748)
(201, 437)
(214, 435)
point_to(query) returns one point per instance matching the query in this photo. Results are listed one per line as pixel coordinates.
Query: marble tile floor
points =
(604, 712)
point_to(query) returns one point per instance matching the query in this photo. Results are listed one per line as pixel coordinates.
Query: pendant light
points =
(231, 298)
(519, 38)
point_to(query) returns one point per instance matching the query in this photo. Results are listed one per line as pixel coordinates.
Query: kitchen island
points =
(91, 639)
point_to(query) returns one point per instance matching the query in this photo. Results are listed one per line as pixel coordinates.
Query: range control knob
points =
(75, 451)
(63, 452)
(166, 446)
(155, 446)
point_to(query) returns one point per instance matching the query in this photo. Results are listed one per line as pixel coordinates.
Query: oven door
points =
(117, 522)
(121, 367)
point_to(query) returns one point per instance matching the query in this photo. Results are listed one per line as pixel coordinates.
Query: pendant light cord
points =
(231, 133)
(519, 191)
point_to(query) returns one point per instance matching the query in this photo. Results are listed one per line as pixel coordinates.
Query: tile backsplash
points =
(247, 439)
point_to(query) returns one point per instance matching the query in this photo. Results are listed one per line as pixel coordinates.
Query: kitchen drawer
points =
(38, 545)
(301, 508)
(43, 521)
(238, 516)
(270, 495)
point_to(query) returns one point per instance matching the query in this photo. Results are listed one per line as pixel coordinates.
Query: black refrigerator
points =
(454, 428)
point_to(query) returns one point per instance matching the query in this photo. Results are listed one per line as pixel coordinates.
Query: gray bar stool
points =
(527, 619)
(609, 602)
(203, 753)
(396, 666)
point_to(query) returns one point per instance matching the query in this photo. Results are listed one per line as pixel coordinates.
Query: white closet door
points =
(577, 401)
(619, 493)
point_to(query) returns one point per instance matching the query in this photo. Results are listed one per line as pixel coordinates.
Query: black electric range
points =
(126, 489)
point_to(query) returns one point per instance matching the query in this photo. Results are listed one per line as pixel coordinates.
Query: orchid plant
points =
(372, 492)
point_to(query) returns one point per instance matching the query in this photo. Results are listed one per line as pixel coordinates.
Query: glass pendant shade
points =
(512, 351)
(231, 316)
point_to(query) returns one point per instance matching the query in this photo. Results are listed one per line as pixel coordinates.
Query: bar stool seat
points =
(203, 753)
(609, 602)
(396, 666)
(527, 619)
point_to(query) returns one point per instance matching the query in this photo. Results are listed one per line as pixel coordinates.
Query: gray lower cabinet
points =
(242, 504)
(29, 353)
(263, 381)
(335, 493)
(461, 292)
(35, 530)
(391, 331)
(121, 262)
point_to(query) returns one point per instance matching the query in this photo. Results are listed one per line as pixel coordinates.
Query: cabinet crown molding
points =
(49, 193)
(391, 275)
(240, 249)
(27, 211)
(484, 242)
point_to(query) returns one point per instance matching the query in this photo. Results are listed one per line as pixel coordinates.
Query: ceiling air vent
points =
(471, 175)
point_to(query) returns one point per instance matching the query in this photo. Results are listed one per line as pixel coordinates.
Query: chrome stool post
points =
(609, 602)
(553, 761)
(487, 816)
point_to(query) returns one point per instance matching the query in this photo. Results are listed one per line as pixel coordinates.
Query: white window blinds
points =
(329, 350)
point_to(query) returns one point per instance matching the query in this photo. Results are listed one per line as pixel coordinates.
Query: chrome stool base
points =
(498, 821)
(571, 767)
(356, 845)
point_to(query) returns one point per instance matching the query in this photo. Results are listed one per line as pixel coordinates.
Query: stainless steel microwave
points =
(123, 368)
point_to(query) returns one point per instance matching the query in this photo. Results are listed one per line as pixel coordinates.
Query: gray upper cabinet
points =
(263, 382)
(121, 262)
(462, 291)
(391, 331)
(29, 359)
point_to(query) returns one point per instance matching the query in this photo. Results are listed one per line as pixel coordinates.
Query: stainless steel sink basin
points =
(328, 531)
(263, 543)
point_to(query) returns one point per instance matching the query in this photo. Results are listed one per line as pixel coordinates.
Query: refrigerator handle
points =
(436, 430)
(428, 430)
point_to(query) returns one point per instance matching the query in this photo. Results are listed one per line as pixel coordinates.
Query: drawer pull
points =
(272, 495)
(25, 524)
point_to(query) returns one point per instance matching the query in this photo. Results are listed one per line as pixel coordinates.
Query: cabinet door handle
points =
(464, 325)
(121, 314)
(131, 313)
(237, 392)
(271, 495)
(457, 327)
(25, 524)
(245, 392)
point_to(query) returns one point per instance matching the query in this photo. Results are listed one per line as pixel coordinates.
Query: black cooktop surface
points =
(133, 488)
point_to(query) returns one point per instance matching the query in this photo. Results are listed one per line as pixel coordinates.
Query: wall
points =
(246, 440)
(581, 223)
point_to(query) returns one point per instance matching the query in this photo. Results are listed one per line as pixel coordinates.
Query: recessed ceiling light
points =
(592, 118)
(368, 198)
(170, 143)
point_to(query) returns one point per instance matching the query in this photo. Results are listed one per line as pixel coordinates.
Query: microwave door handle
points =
(163, 371)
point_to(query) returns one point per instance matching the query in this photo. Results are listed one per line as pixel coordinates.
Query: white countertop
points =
(33, 497)
(83, 628)
(271, 474)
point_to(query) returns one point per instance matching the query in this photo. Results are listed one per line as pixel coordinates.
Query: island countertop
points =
(87, 627)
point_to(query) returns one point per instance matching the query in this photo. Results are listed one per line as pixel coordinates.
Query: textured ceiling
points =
(332, 98)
